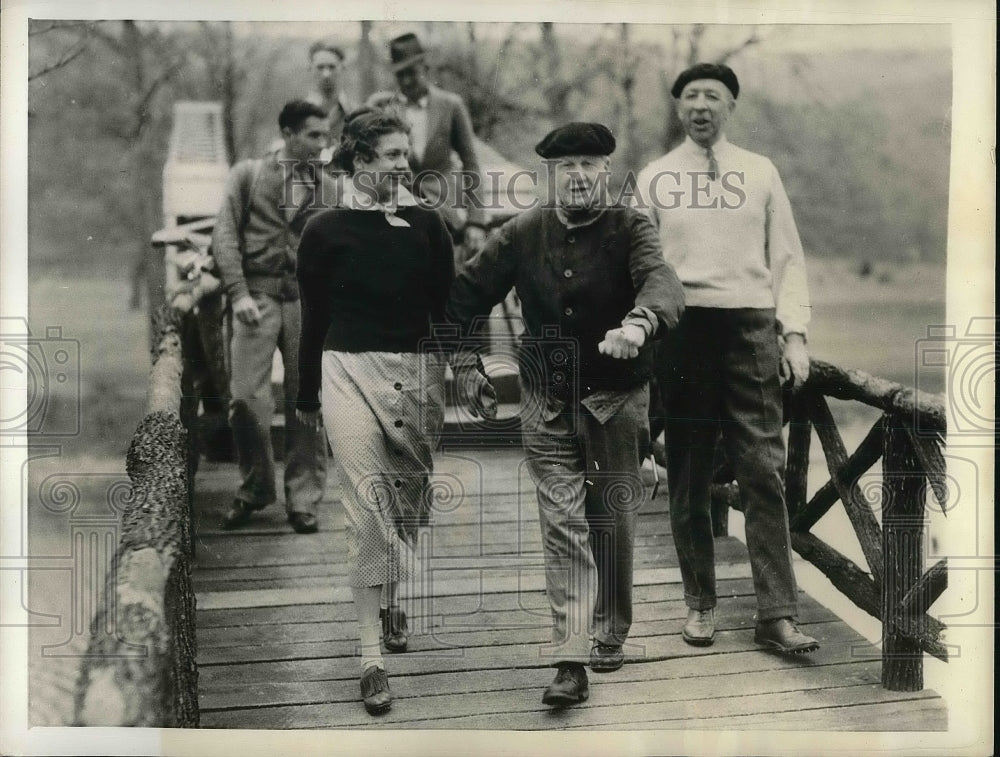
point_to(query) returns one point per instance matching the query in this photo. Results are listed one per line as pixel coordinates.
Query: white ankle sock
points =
(371, 650)
(366, 604)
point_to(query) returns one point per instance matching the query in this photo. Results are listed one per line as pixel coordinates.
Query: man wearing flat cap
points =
(594, 291)
(726, 225)
(440, 128)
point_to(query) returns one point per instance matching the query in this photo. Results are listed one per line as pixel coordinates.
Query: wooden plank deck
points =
(276, 637)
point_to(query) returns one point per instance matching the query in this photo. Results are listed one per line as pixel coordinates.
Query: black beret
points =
(577, 138)
(717, 71)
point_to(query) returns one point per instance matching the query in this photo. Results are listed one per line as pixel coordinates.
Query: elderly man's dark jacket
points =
(575, 284)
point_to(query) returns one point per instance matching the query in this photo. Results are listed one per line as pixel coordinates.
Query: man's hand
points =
(795, 360)
(623, 342)
(476, 393)
(246, 310)
(308, 419)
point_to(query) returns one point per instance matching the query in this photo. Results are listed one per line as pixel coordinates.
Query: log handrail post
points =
(797, 463)
(903, 494)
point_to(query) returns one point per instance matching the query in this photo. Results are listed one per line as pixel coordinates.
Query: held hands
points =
(476, 392)
(308, 419)
(623, 342)
(246, 310)
(795, 361)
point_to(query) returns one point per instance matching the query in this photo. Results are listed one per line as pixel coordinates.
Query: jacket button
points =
(399, 424)
(568, 273)
(397, 386)
(568, 311)
(571, 239)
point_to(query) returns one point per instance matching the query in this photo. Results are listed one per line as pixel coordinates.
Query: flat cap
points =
(577, 138)
(716, 71)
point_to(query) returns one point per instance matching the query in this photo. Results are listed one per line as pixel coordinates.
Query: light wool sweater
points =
(732, 240)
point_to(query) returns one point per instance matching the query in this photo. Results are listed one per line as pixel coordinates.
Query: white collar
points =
(720, 146)
(420, 103)
(353, 199)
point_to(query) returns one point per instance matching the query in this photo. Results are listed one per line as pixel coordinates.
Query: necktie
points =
(713, 166)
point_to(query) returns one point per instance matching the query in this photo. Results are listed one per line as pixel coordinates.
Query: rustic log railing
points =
(145, 673)
(908, 438)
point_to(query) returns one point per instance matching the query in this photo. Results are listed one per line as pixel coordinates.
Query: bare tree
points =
(628, 70)
(150, 62)
(470, 28)
(488, 98)
(225, 77)
(557, 89)
(73, 48)
(366, 61)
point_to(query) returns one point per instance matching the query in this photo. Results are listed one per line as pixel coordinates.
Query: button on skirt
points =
(382, 412)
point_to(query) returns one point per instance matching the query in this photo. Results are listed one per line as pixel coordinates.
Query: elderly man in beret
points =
(594, 291)
(726, 225)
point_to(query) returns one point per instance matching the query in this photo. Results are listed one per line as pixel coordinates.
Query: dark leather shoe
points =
(699, 630)
(605, 658)
(303, 523)
(569, 687)
(783, 635)
(394, 629)
(375, 691)
(238, 514)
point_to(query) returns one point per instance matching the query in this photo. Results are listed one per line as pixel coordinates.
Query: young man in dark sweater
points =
(594, 289)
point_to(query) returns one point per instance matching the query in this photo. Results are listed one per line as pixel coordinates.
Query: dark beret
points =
(716, 71)
(577, 138)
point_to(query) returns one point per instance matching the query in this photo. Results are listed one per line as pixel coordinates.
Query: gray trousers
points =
(252, 408)
(589, 491)
(719, 369)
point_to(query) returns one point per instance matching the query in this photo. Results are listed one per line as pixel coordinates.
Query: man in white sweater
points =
(726, 226)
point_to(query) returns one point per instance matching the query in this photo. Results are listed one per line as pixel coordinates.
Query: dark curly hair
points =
(362, 129)
(295, 113)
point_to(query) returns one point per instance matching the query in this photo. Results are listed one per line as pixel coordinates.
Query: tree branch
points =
(68, 57)
(108, 39)
(755, 38)
(36, 28)
(141, 114)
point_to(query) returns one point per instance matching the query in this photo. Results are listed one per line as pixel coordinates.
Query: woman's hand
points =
(476, 393)
(245, 309)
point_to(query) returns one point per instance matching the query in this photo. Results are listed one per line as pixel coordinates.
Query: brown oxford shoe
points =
(606, 658)
(569, 687)
(699, 630)
(394, 629)
(303, 523)
(375, 691)
(782, 635)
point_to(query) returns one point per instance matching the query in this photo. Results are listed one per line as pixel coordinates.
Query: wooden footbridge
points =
(276, 638)
(254, 629)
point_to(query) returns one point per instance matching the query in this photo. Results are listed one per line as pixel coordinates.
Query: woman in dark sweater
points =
(374, 274)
